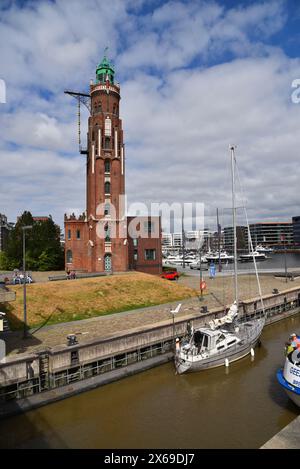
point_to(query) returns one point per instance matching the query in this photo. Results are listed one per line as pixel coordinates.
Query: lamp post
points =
(24, 228)
(285, 263)
(173, 312)
(201, 277)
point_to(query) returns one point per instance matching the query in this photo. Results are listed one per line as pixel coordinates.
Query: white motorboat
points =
(289, 376)
(178, 260)
(259, 256)
(226, 339)
(196, 265)
(224, 257)
(263, 249)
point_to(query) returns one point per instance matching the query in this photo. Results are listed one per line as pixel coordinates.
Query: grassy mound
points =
(63, 301)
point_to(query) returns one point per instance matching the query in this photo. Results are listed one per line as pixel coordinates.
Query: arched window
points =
(69, 256)
(107, 166)
(107, 187)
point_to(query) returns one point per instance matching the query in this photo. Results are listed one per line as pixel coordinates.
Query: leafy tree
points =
(43, 247)
(4, 262)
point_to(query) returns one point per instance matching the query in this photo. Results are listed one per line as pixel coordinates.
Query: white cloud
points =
(178, 120)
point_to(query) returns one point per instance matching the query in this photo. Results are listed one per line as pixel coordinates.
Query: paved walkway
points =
(99, 327)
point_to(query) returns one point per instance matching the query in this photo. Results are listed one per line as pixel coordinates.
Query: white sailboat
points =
(229, 338)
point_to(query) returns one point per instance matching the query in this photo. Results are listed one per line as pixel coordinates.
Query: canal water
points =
(239, 407)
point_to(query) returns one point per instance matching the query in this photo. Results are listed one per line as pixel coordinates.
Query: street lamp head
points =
(176, 310)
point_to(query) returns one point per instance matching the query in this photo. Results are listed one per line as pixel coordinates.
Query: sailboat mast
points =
(234, 223)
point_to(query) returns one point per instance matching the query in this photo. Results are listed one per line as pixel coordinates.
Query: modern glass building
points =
(296, 229)
(272, 233)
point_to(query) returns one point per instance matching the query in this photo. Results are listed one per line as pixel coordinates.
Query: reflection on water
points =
(239, 407)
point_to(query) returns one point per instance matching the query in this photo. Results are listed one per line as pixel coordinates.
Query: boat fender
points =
(252, 352)
(226, 362)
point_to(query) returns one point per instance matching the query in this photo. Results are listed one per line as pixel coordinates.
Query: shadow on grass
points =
(14, 338)
(43, 324)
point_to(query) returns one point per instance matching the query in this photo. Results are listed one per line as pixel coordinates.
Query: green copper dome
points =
(104, 72)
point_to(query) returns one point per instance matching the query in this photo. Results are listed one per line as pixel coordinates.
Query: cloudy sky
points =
(195, 77)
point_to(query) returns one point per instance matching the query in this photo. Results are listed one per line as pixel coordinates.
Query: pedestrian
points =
(295, 341)
(289, 347)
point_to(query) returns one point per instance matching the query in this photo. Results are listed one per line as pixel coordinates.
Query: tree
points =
(4, 262)
(43, 247)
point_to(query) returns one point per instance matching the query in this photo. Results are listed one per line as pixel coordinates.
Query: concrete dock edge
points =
(47, 397)
(287, 438)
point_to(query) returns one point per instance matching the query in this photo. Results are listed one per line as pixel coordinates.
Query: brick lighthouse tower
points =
(97, 240)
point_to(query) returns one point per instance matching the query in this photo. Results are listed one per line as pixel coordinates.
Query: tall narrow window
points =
(69, 234)
(107, 143)
(107, 235)
(69, 256)
(149, 226)
(107, 209)
(77, 234)
(107, 187)
(107, 166)
(107, 127)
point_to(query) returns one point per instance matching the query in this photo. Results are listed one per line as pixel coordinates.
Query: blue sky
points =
(195, 76)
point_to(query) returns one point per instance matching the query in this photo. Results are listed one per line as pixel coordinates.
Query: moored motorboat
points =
(223, 257)
(263, 249)
(289, 376)
(259, 256)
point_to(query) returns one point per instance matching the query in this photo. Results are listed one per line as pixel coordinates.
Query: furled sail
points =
(227, 319)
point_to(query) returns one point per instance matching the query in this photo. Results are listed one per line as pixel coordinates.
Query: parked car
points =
(170, 275)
